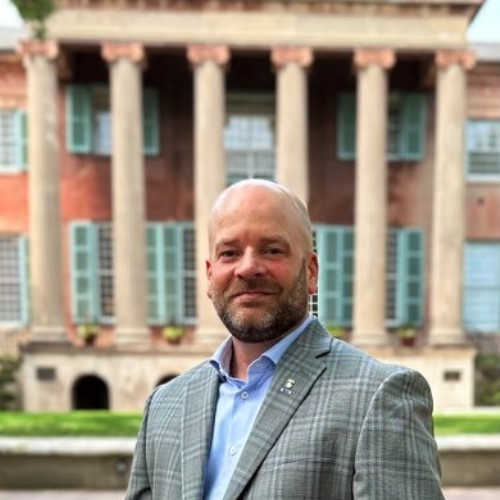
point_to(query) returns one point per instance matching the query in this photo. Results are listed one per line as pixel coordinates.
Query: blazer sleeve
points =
(139, 485)
(396, 456)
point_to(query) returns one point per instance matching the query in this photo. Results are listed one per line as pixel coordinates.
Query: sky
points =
(484, 28)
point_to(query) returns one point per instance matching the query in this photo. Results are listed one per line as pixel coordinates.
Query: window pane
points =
(483, 146)
(249, 139)
(105, 271)
(7, 140)
(391, 278)
(189, 274)
(394, 127)
(10, 280)
(101, 121)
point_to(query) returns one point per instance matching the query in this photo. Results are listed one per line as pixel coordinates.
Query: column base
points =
(132, 336)
(369, 338)
(446, 336)
(51, 334)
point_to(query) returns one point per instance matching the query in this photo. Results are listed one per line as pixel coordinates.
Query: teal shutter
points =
(79, 119)
(84, 296)
(413, 128)
(21, 139)
(171, 262)
(410, 289)
(335, 289)
(481, 307)
(24, 278)
(346, 127)
(156, 273)
(151, 127)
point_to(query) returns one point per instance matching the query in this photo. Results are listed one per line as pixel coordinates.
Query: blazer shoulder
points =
(175, 388)
(352, 361)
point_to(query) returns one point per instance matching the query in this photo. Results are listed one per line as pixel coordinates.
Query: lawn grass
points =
(103, 423)
(480, 423)
(75, 423)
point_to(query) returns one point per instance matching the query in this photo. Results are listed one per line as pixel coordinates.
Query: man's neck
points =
(244, 354)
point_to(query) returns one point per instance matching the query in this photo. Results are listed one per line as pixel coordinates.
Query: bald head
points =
(252, 192)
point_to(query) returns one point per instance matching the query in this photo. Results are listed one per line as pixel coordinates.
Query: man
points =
(282, 410)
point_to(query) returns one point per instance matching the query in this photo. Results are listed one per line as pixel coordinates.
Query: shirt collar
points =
(221, 359)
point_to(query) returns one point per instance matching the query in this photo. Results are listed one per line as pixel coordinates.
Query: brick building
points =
(119, 131)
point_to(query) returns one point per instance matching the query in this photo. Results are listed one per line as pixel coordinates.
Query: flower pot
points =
(173, 334)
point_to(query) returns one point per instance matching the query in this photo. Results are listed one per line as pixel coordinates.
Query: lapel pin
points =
(287, 388)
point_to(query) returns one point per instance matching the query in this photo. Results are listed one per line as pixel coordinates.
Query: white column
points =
(47, 299)
(210, 172)
(448, 222)
(128, 191)
(371, 196)
(292, 152)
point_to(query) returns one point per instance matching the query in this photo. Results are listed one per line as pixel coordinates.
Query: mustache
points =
(252, 285)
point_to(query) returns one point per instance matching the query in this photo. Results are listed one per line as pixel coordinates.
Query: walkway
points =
(450, 494)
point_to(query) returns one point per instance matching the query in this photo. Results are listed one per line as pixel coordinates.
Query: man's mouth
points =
(252, 294)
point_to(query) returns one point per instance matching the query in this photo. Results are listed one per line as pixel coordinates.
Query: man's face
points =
(260, 273)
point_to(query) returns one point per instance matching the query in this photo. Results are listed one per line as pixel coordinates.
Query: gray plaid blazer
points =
(349, 428)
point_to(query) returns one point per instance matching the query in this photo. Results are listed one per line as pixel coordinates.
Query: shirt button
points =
(244, 395)
(233, 450)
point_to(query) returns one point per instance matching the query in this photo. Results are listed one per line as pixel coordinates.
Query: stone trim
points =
(385, 58)
(112, 51)
(45, 48)
(446, 58)
(303, 56)
(198, 54)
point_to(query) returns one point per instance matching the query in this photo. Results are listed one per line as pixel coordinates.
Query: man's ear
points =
(208, 272)
(313, 269)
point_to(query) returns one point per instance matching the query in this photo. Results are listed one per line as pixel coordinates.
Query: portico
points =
(298, 45)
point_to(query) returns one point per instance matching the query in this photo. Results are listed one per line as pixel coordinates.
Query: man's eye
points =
(227, 254)
(274, 251)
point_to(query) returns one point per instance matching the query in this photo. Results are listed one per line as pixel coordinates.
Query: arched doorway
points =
(90, 393)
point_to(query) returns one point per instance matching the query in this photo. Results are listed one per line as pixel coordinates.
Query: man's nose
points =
(250, 265)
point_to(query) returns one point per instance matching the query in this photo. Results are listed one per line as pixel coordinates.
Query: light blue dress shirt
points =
(237, 407)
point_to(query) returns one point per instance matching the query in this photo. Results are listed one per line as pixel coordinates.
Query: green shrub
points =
(8, 369)
(488, 380)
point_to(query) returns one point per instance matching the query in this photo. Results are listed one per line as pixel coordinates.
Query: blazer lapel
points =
(295, 374)
(200, 401)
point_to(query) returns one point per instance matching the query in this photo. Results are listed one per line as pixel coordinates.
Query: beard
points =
(269, 325)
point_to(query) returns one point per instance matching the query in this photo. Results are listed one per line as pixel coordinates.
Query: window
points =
(404, 275)
(171, 276)
(406, 127)
(13, 280)
(313, 299)
(13, 151)
(101, 121)
(249, 138)
(482, 287)
(483, 148)
(89, 123)
(105, 270)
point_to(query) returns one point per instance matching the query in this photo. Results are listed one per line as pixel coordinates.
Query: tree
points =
(35, 12)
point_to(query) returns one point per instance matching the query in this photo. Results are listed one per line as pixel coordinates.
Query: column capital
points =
(112, 51)
(446, 58)
(45, 48)
(381, 57)
(198, 54)
(303, 56)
